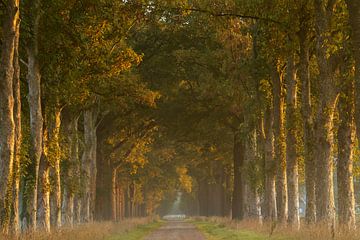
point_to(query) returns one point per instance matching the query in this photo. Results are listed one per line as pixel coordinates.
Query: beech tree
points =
(10, 31)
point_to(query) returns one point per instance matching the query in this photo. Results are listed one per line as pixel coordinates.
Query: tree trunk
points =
(280, 148)
(238, 192)
(89, 164)
(18, 134)
(308, 125)
(252, 199)
(270, 168)
(346, 197)
(43, 208)
(132, 191)
(7, 125)
(72, 175)
(354, 19)
(44, 196)
(78, 207)
(203, 195)
(325, 204)
(291, 146)
(55, 139)
(114, 199)
(122, 204)
(34, 98)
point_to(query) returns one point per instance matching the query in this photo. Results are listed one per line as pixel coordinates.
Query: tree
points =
(36, 119)
(7, 127)
(292, 144)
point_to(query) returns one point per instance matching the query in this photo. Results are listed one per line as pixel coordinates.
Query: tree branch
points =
(216, 14)
(141, 135)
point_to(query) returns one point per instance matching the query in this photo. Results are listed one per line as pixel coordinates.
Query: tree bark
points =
(292, 145)
(55, 139)
(308, 125)
(34, 98)
(18, 134)
(238, 192)
(72, 175)
(114, 200)
(43, 208)
(7, 125)
(270, 168)
(346, 197)
(325, 204)
(251, 196)
(89, 164)
(354, 20)
(280, 148)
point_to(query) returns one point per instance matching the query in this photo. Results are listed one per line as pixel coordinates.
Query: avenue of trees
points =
(109, 109)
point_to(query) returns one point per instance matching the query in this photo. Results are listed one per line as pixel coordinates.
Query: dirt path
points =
(176, 230)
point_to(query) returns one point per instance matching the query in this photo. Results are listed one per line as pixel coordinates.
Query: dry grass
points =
(273, 231)
(92, 231)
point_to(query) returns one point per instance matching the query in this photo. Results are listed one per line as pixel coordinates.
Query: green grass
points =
(138, 233)
(214, 231)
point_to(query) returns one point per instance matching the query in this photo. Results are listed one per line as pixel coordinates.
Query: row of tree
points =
(109, 108)
(278, 81)
(76, 119)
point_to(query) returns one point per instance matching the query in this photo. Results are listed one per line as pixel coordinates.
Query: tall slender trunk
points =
(308, 125)
(238, 192)
(354, 20)
(7, 125)
(347, 212)
(89, 164)
(270, 168)
(291, 146)
(325, 204)
(34, 98)
(18, 134)
(55, 139)
(280, 147)
(78, 209)
(252, 198)
(78, 177)
(43, 195)
(132, 191)
(114, 200)
(93, 167)
(346, 197)
(72, 174)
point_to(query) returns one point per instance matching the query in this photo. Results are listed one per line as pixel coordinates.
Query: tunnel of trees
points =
(113, 109)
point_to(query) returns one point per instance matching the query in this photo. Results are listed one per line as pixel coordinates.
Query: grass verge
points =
(138, 233)
(129, 228)
(224, 228)
(215, 231)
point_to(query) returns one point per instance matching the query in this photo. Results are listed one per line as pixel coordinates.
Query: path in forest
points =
(176, 230)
